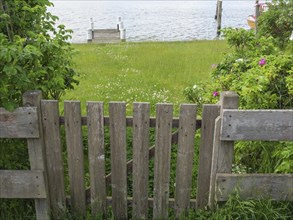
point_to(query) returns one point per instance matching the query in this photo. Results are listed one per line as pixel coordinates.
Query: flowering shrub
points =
(258, 71)
(262, 62)
(277, 21)
(262, 75)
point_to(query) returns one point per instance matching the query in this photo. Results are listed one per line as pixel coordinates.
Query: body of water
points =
(152, 20)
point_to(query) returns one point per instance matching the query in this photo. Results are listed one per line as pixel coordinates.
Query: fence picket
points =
(117, 115)
(51, 128)
(162, 160)
(187, 123)
(72, 117)
(209, 115)
(95, 121)
(141, 115)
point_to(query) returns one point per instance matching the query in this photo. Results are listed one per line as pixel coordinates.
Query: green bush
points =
(277, 21)
(262, 74)
(33, 53)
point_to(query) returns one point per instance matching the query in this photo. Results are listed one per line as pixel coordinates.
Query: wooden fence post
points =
(36, 149)
(209, 115)
(223, 151)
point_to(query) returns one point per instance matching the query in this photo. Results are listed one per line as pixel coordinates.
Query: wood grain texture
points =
(37, 154)
(266, 125)
(22, 184)
(21, 123)
(53, 149)
(129, 121)
(185, 154)
(141, 115)
(255, 186)
(223, 151)
(214, 165)
(75, 156)
(151, 202)
(162, 160)
(117, 114)
(228, 100)
(209, 115)
(95, 114)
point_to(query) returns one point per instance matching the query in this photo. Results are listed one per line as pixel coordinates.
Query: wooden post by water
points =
(223, 151)
(257, 13)
(36, 149)
(216, 14)
(219, 17)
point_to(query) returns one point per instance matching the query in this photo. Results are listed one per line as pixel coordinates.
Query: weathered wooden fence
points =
(39, 121)
(247, 125)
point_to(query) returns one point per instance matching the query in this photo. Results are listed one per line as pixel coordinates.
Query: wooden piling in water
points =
(257, 13)
(216, 14)
(219, 17)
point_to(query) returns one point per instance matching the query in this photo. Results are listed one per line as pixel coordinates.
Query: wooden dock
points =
(105, 36)
(116, 35)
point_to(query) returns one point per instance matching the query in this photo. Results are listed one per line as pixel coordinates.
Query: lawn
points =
(142, 72)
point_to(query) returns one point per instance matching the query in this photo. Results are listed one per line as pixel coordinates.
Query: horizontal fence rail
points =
(129, 121)
(266, 125)
(22, 184)
(21, 123)
(255, 186)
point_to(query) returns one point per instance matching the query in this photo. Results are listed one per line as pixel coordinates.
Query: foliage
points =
(262, 75)
(33, 53)
(277, 21)
(235, 208)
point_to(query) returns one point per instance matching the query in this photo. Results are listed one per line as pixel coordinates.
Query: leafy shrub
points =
(33, 53)
(277, 21)
(262, 74)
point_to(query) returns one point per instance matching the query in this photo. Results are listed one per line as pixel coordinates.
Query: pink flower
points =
(214, 66)
(215, 93)
(262, 61)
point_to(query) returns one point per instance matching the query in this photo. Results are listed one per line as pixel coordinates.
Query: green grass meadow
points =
(152, 72)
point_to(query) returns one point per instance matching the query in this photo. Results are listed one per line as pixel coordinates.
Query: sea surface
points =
(152, 20)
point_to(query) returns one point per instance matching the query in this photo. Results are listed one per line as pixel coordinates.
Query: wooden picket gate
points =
(40, 122)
